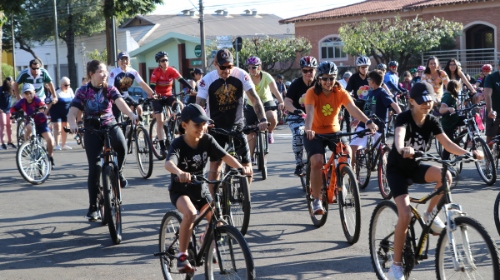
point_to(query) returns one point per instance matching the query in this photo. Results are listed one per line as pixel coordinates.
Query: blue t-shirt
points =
(377, 102)
(5, 100)
(392, 81)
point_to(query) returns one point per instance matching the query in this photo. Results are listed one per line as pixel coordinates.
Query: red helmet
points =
(487, 68)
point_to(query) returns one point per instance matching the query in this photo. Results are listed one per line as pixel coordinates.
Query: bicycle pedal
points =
(423, 257)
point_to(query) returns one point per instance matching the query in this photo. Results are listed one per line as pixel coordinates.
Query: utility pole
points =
(56, 35)
(202, 38)
(13, 48)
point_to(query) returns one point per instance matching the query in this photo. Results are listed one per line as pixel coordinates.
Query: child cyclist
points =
(28, 104)
(413, 129)
(188, 154)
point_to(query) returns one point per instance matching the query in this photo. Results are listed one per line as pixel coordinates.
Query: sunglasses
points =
(164, 60)
(67, 85)
(253, 67)
(394, 67)
(307, 71)
(35, 68)
(225, 67)
(364, 67)
(326, 79)
(123, 59)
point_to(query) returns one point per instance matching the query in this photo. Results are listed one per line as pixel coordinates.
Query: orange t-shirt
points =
(326, 109)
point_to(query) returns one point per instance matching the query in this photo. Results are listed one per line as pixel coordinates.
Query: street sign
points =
(214, 53)
(224, 42)
(197, 50)
(238, 42)
(195, 62)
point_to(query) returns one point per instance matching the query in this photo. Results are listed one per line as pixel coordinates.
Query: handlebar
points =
(422, 156)
(472, 107)
(20, 115)
(234, 132)
(360, 134)
(200, 178)
(100, 131)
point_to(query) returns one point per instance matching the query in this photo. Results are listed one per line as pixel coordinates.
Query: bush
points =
(7, 70)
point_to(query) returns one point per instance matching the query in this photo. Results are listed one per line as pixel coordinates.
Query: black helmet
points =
(393, 63)
(308, 61)
(159, 55)
(279, 76)
(381, 66)
(327, 68)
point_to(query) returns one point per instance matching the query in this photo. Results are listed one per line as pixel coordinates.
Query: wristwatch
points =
(264, 120)
(369, 122)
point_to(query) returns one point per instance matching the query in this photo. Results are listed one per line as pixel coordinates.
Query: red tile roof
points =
(372, 6)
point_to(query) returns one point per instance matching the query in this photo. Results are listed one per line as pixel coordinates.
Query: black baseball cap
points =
(123, 54)
(422, 92)
(195, 113)
(224, 56)
(197, 71)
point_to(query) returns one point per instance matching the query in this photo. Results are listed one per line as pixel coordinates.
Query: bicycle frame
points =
(339, 159)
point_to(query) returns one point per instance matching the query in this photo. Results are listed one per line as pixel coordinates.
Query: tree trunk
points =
(70, 43)
(25, 47)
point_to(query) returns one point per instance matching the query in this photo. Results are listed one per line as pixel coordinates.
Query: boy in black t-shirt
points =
(191, 151)
(413, 130)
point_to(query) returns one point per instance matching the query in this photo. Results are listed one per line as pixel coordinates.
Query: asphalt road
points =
(44, 235)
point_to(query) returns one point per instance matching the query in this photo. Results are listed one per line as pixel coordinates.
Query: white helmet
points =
(363, 60)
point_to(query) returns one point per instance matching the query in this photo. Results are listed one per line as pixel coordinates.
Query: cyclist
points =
(485, 71)
(281, 85)
(323, 102)
(345, 79)
(264, 85)
(358, 84)
(28, 104)
(222, 92)
(161, 81)
(122, 78)
(413, 72)
(435, 76)
(95, 100)
(391, 78)
(492, 99)
(454, 71)
(38, 77)
(294, 103)
(197, 75)
(418, 77)
(188, 154)
(450, 120)
(413, 131)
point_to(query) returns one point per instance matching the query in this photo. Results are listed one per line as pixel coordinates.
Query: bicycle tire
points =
(112, 206)
(383, 185)
(496, 213)
(380, 247)
(20, 132)
(467, 223)
(362, 168)
(143, 147)
(35, 173)
(262, 156)
(489, 177)
(101, 206)
(239, 204)
(130, 138)
(256, 154)
(318, 220)
(154, 139)
(231, 250)
(347, 196)
(169, 230)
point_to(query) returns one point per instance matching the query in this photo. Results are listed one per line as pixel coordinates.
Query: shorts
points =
(361, 142)
(240, 145)
(41, 128)
(317, 146)
(58, 116)
(251, 116)
(398, 180)
(195, 199)
(492, 127)
(158, 104)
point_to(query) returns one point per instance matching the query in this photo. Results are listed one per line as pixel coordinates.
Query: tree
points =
(8, 8)
(270, 50)
(395, 39)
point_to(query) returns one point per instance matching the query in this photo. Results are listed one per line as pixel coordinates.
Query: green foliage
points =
(270, 50)
(447, 43)
(99, 55)
(128, 7)
(7, 70)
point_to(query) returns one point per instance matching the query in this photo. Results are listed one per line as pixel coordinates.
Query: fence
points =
(471, 59)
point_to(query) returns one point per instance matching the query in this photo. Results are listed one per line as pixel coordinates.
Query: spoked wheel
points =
(496, 212)
(155, 142)
(169, 242)
(349, 205)
(363, 170)
(33, 162)
(317, 219)
(486, 167)
(20, 132)
(143, 152)
(304, 179)
(239, 204)
(383, 186)
(476, 252)
(381, 237)
(112, 203)
(101, 207)
(262, 155)
(234, 257)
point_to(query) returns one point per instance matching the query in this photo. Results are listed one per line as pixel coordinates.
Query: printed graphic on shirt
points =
(363, 92)
(302, 100)
(226, 97)
(327, 110)
(416, 141)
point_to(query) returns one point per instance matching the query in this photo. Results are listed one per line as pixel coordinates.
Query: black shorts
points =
(240, 145)
(193, 194)
(251, 116)
(492, 127)
(158, 104)
(398, 180)
(317, 146)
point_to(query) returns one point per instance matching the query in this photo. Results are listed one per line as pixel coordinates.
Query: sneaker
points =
(163, 152)
(271, 138)
(437, 225)
(183, 265)
(11, 145)
(123, 181)
(3, 147)
(93, 214)
(66, 147)
(298, 170)
(58, 148)
(318, 207)
(396, 273)
(52, 162)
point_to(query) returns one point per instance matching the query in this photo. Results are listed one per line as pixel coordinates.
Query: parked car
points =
(136, 93)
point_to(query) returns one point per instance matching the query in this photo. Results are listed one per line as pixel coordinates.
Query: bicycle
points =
(262, 145)
(32, 159)
(338, 185)
(223, 250)
(18, 117)
(459, 259)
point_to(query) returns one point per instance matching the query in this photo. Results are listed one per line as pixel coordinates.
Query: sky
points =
(281, 8)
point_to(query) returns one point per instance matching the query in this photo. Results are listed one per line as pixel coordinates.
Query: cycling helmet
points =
(413, 70)
(381, 66)
(363, 60)
(487, 67)
(327, 68)
(159, 55)
(393, 63)
(421, 68)
(308, 61)
(253, 60)
(288, 83)
(9, 78)
(279, 76)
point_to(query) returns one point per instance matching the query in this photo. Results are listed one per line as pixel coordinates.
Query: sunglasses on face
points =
(253, 67)
(327, 79)
(305, 71)
(364, 67)
(35, 68)
(123, 59)
(67, 85)
(164, 60)
(225, 67)
(394, 67)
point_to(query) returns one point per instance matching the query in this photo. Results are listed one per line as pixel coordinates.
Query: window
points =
(331, 48)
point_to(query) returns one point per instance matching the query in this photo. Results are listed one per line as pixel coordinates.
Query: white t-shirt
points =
(65, 96)
(123, 80)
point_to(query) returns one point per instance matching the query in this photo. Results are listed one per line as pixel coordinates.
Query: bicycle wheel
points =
(155, 142)
(318, 220)
(477, 254)
(303, 178)
(486, 167)
(363, 171)
(20, 132)
(349, 204)
(383, 186)
(234, 257)
(239, 204)
(381, 237)
(111, 203)
(496, 214)
(262, 156)
(143, 152)
(169, 242)
(33, 162)
(101, 206)
(495, 151)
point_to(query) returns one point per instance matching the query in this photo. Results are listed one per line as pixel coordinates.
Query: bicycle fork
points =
(451, 211)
